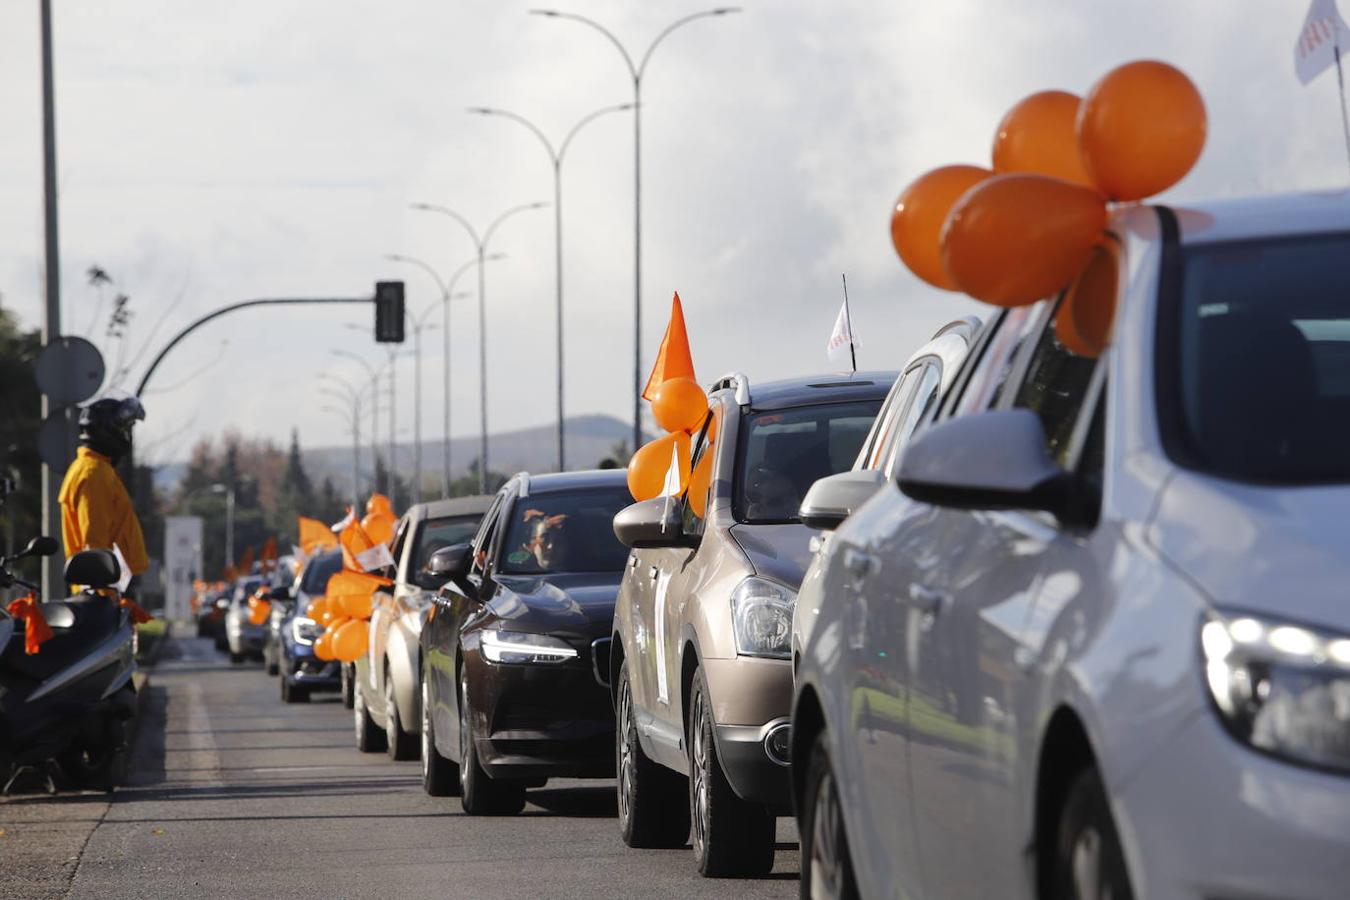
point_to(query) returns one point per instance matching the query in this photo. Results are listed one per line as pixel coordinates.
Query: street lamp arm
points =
(347, 354)
(424, 266)
(447, 211)
(554, 155)
(351, 389)
(562, 150)
(635, 71)
(487, 235)
(708, 13)
(420, 321)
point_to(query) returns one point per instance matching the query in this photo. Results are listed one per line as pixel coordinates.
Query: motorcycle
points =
(66, 710)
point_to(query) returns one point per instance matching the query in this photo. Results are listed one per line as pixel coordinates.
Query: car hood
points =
(1284, 551)
(778, 552)
(579, 603)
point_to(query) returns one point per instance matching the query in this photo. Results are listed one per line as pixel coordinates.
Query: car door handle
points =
(653, 572)
(858, 564)
(926, 600)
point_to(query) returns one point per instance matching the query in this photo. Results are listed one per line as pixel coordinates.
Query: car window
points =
(701, 461)
(564, 531)
(985, 385)
(1054, 387)
(397, 546)
(320, 569)
(925, 398)
(781, 453)
(444, 532)
(884, 426)
(483, 538)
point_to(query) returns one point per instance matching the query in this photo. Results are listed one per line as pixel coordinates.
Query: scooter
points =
(66, 710)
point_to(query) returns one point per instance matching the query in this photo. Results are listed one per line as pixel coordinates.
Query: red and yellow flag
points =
(673, 359)
(314, 534)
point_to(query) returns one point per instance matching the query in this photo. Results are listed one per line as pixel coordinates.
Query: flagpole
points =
(848, 317)
(1340, 84)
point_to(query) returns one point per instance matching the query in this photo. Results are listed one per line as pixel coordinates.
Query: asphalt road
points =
(233, 794)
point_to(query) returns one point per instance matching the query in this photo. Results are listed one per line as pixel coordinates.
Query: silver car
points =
(1092, 641)
(387, 680)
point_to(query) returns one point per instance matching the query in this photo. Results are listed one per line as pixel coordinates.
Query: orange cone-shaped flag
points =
(673, 359)
(314, 534)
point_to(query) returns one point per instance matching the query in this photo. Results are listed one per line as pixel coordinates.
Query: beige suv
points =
(699, 664)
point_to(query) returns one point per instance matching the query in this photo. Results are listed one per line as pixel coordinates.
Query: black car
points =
(515, 649)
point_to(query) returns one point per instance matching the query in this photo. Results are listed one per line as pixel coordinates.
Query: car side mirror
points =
(989, 460)
(650, 523)
(427, 581)
(448, 564)
(39, 546)
(833, 499)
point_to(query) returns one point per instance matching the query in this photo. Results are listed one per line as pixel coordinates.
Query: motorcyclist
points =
(96, 510)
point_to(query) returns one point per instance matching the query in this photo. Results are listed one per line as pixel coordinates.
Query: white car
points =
(1093, 640)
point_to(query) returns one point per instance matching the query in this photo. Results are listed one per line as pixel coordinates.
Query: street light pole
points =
(52, 581)
(556, 158)
(352, 419)
(353, 396)
(228, 491)
(636, 70)
(374, 408)
(481, 244)
(447, 294)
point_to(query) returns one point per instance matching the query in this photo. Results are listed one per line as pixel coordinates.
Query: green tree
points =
(20, 416)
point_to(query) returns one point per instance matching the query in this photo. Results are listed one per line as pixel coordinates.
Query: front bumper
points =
(753, 774)
(751, 697)
(1210, 818)
(552, 721)
(301, 666)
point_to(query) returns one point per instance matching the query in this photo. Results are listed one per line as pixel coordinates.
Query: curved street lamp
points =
(555, 156)
(481, 243)
(636, 70)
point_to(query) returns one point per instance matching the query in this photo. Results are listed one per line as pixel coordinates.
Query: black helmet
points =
(105, 424)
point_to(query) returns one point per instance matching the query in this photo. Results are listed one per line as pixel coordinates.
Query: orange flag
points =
(269, 554)
(245, 566)
(673, 359)
(36, 629)
(361, 552)
(314, 534)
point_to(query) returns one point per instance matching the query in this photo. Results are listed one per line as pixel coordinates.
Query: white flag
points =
(840, 349)
(670, 489)
(1324, 34)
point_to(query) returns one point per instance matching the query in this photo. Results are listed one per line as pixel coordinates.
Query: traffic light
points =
(389, 312)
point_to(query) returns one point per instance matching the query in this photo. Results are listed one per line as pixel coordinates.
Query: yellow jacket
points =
(96, 511)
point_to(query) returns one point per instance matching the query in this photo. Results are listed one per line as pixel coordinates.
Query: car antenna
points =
(848, 319)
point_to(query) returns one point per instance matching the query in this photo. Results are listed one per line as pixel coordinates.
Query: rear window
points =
(323, 567)
(438, 533)
(783, 452)
(1260, 359)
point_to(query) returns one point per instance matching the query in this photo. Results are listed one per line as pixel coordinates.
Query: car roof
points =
(829, 388)
(1270, 216)
(570, 481)
(455, 506)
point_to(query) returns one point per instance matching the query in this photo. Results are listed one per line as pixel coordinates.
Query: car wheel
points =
(480, 794)
(400, 744)
(369, 738)
(348, 676)
(236, 658)
(1089, 863)
(652, 809)
(293, 693)
(440, 776)
(827, 869)
(273, 669)
(730, 837)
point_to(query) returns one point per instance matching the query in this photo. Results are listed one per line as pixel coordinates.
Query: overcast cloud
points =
(219, 152)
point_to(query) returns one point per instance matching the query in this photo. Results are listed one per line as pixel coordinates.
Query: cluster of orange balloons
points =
(379, 520)
(1026, 228)
(344, 610)
(679, 406)
(259, 607)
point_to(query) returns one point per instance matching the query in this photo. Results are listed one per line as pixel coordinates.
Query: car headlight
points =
(518, 647)
(1284, 689)
(761, 612)
(305, 630)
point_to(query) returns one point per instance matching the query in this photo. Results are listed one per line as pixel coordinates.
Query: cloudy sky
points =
(216, 152)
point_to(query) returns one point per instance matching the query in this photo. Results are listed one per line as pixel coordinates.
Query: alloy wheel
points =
(827, 866)
(699, 773)
(1087, 867)
(428, 745)
(465, 741)
(628, 735)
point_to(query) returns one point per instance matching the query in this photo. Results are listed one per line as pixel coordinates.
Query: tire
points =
(1089, 862)
(400, 744)
(348, 685)
(653, 809)
(440, 776)
(827, 868)
(731, 838)
(293, 693)
(369, 738)
(479, 793)
(236, 658)
(273, 669)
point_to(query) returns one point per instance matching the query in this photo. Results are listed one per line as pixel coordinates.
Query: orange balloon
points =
(679, 404)
(379, 503)
(317, 608)
(1083, 321)
(356, 606)
(323, 647)
(258, 610)
(648, 467)
(1016, 239)
(349, 641)
(1141, 129)
(1039, 135)
(700, 480)
(379, 526)
(916, 222)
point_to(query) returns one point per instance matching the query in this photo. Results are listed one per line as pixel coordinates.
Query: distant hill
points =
(589, 439)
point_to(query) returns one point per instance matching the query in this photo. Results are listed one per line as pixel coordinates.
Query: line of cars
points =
(1016, 620)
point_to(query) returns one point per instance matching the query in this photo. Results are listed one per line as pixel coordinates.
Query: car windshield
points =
(566, 531)
(438, 533)
(323, 567)
(784, 452)
(1263, 359)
